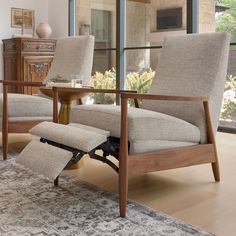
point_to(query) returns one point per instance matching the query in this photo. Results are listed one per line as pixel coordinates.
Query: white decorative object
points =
(22, 36)
(44, 30)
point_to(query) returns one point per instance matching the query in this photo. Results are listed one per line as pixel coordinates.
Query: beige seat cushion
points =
(79, 137)
(91, 129)
(143, 124)
(143, 146)
(22, 105)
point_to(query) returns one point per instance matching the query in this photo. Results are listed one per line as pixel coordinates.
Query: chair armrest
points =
(163, 97)
(21, 83)
(57, 90)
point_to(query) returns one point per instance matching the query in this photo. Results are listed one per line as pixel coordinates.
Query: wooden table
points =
(66, 99)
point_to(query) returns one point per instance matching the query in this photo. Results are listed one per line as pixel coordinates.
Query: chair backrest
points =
(192, 65)
(73, 56)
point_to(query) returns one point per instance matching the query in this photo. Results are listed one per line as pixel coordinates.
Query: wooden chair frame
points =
(164, 159)
(159, 160)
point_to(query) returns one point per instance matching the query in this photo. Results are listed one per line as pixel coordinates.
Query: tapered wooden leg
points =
(5, 124)
(4, 144)
(56, 181)
(123, 158)
(215, 166)
(64, 114)
(64, 118)
(123, 188)
(216, 171)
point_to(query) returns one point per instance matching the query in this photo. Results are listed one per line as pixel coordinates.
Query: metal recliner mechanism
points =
(62, 146)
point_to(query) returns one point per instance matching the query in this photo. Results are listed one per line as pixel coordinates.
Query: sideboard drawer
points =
(9, 46)
(27, 59)
(41, 47)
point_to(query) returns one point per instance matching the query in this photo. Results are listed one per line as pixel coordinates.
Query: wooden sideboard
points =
(27, 59)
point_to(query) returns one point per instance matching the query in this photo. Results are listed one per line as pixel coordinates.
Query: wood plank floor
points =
(189, 193)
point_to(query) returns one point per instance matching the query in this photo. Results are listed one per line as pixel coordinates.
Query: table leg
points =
(64, 114)
(64, 118)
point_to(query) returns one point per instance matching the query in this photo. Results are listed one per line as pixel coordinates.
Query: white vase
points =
(44, 30)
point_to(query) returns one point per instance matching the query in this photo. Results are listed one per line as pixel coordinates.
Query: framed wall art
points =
(22, 18)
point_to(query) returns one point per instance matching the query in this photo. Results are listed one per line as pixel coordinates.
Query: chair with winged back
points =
(20, 112)
(176, 123)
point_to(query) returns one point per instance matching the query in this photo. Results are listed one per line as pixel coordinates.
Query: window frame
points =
(121, 49)
(192, 27)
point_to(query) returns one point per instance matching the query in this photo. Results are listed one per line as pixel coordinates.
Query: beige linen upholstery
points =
(142, 146)
(190, 65)
(44, 159)
(90, 128)
(73, 56)
(75, 137)
(143, 124)
(22, 105)
(26, 107)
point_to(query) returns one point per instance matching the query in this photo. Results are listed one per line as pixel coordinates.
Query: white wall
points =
(41, 15)
(55, 12)
(58, 17)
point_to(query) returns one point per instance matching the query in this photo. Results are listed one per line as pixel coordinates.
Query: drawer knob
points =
(50, 47)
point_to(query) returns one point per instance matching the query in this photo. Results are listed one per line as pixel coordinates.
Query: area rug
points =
(31, 205)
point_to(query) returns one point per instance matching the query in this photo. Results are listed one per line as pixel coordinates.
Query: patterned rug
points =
(31, 205)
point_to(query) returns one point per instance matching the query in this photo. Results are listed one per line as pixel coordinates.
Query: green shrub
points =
(229, 107)
(230, 82)
(139, 82)
(104, 81)
(229, 111)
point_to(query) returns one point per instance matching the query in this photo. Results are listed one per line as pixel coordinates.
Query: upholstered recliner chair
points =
(20, 112)
(177, 120)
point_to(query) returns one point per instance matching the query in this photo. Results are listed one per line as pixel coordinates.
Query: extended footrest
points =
(44, 159)
(76, 136)
(64, 145)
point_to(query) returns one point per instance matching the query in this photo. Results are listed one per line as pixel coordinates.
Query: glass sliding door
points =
(98, 17)
(225, 21)
(102, 30)
(148, 22)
